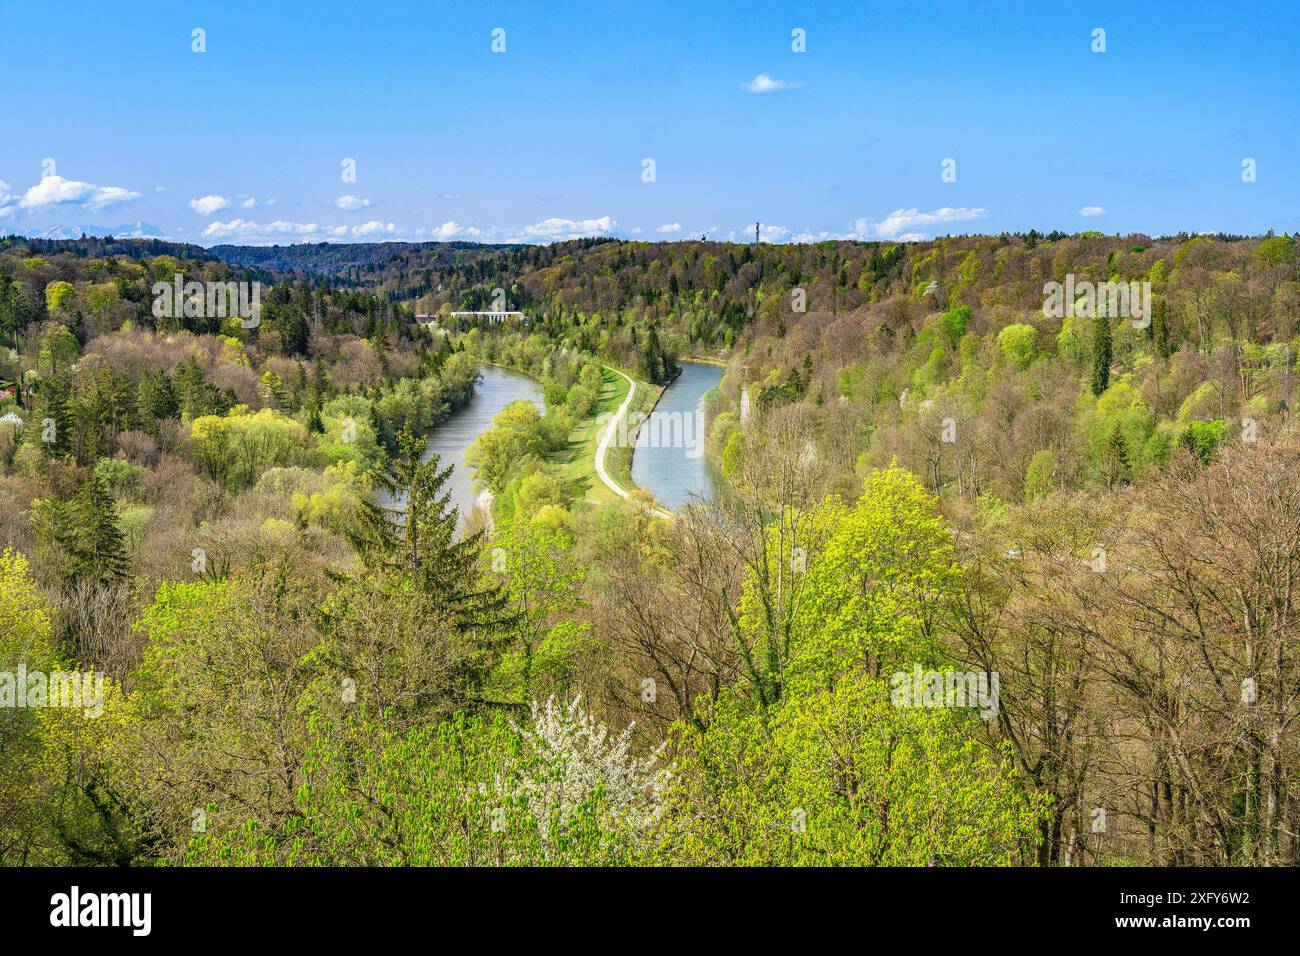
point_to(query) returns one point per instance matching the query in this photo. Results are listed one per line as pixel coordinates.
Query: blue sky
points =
(245, 142)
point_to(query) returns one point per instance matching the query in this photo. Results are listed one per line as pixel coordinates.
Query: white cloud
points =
(348, 203)
(57, 191)
(1092, 211)
(670, 227)
(557, 229)
(207, 205)
(247, 229)
(249, 203)
(160, 189)
(373, 227)
(903, 225)
(454, 230)
(763, 83)
(6, 200)
(449, 195)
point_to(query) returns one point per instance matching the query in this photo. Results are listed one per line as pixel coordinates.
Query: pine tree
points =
(1101, 354)
(156, 400)
(83, 530)
(99, 550)
(52, 418)
(414, 538)
(1117, 462)
(194, 394)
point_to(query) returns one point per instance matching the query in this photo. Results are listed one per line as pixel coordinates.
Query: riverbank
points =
(704, 360)
(576, 461)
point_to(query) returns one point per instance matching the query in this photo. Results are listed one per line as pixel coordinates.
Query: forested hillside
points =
(307, 661)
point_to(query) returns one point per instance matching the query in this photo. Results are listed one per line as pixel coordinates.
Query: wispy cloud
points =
(670, 227)
(1092, 211)
(765, 83)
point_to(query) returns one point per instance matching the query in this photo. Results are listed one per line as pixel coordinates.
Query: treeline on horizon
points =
(923, 469)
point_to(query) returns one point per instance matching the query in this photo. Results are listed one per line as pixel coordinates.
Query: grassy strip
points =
(618, 461)
(577, 461)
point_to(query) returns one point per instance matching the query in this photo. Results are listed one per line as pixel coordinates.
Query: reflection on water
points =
(676, 470)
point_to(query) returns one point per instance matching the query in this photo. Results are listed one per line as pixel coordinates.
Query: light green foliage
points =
(841, 778)
(57, 294)
(1276, 251)
(1018, 343)
(548, 640)
(472, 791)
(539, 490)
(1119, 411)
(235, 449)
(348, 433)
(517, 437)
(120, 476)
(954, 323)
(834, 772)
(57, 808)
(875, 592)
(1202, 438)
(58, 350)
(732, 454)
(1040, 476)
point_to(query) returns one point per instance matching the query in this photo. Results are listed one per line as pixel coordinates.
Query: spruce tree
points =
(1101, 354)
(98, 548)
(414, 538)
(83, 531)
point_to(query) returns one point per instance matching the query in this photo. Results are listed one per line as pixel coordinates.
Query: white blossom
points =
(575, 755)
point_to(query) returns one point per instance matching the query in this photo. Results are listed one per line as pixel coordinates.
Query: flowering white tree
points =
(569, 755)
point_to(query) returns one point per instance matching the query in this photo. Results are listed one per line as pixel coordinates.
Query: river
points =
(673, 470)
(451, 439)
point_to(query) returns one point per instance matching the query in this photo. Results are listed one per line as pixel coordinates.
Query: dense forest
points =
(307, 660)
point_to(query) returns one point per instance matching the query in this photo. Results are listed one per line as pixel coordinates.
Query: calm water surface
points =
(676, 474)
(451, 439)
